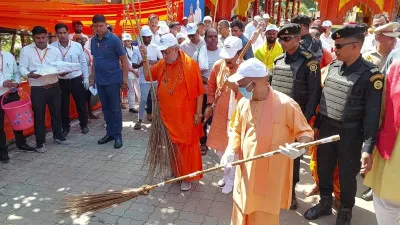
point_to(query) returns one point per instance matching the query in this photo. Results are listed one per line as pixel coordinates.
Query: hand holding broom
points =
(96, 202)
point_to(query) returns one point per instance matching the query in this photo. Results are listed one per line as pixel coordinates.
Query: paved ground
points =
(33, 185)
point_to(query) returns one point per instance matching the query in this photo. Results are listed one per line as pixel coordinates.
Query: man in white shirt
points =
(153, 55)
(326, 36)
(184, 23)
(194, 43)
(206, 56)
(77, 26)
(261, 39)
(207, 22)
(223, 32)
(75, 83)
(181, 37)
(9, 79)
(252, 27)
(45, 90)
(133, 75)
(153, 24)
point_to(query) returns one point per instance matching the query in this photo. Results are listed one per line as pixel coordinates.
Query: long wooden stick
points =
(239, 162)
(215, 13)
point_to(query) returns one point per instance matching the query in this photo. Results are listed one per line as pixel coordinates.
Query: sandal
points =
(138, 125)
(203, 149)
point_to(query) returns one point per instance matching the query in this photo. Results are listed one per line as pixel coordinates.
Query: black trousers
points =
(203, 140)
(19, 136)
(296, 171)
(347, 153)
(88, 103)
(149, 104)
(75, 87)
(41, 97)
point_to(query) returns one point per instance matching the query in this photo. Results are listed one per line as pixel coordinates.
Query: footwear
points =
(65, 132)
(4, 158)
(138, 125)
(85, 130)
(61, 140)
(344, 216)
(294, 205)
(123, 106)
(118, 143)
(132, 110)
(105, 139)
(149, 116)
(367, 195)
(41, 148)
(92, 116)
(313, 190)
(203, 149)
(323, 208)
(221, 182)
(25, 147)
(186, 185)
(228, 188)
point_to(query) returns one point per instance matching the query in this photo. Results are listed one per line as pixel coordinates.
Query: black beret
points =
(348, 31)
(302, 20)
(289, 29)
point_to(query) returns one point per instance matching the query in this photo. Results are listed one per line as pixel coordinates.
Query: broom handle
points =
(145, 57)
(239, 162)
(248, 45)
(215, 13)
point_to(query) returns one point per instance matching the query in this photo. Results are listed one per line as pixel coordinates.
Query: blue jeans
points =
(111, 105)
(145, 89)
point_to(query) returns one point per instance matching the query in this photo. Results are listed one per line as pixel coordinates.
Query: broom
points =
(90, 203)
(160, 154)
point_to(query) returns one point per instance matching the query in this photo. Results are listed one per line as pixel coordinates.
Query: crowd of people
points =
(240, 90)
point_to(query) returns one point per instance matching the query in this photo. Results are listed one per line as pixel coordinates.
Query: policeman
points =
(297, 74)
(350, 106)
(307, 42)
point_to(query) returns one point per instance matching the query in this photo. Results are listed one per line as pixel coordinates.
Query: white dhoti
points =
(387, 212)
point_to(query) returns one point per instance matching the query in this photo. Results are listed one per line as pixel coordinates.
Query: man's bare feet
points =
(313, 190)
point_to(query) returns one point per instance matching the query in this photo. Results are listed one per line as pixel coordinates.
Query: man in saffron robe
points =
(264, 120)
(180, 96)
(221, 101)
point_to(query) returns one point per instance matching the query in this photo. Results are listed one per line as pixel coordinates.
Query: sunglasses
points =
(339, 46)
(287, 38)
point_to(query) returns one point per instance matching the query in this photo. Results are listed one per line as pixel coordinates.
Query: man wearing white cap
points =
(266, 18)
(264, 120)
(386, 37)
(153, 55)
(163, 28)
(194, 43)
(181, 37)
(180, 97)
(252, 27)
(222, 98)
(326, 36)
(207, 22)
(184, 23)
(271, 49)
(133, 75)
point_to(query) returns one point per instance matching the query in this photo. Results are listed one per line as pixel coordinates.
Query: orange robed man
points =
(180, 95)
(264, 120)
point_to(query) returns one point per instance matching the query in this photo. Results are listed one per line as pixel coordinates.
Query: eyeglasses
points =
(339, 46)
(287, 38)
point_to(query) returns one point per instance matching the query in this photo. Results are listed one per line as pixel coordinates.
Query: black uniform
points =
(298, 76)
(350, 106)
(307, 42)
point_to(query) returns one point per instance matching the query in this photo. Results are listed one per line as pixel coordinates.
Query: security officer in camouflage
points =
(307, 42)
(297, 74)
(350, 106)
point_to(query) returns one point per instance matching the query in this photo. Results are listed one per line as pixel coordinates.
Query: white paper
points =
(93, 90)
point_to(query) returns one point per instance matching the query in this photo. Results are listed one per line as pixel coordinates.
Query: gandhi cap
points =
(348, 31)
(180, 35)
(232, 45)
(289, 29)
(207, 18)
(249, 68)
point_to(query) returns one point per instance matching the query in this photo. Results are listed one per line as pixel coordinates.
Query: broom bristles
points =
(90, 203)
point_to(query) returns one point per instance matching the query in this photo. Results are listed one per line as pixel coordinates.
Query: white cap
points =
(232, 45)
(257, 18)
(167, 41)
(180, 35)
(249, 68)
(390, 29)
(207, 18)
(191, 28)
(327, 23)
(184, 18)
(164, 29)
(145, 31)
(126, 37)
(271, 27)
(266, 16)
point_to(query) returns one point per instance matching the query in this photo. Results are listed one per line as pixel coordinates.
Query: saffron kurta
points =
(217, 136)
(265, 185)
(178, 108)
